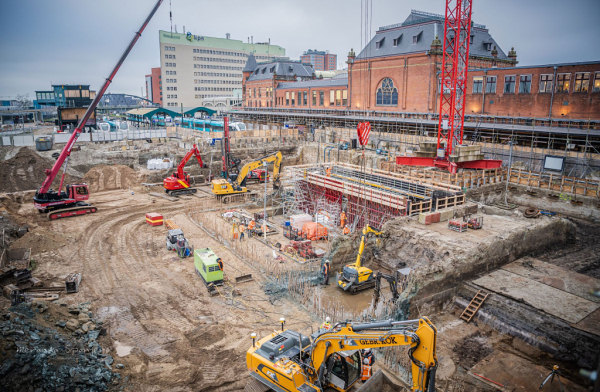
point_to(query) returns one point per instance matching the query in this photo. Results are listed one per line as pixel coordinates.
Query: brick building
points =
(319, 60)
(539, 91)
(154, 86)
(261, 79)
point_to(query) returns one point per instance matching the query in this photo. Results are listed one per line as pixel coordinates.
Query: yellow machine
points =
(222, 187)
(288, 361)
(354, 277)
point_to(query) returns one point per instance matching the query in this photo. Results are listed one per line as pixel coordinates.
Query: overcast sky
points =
(78, 41)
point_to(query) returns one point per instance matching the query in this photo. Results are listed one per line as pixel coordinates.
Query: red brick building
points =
(154, 86)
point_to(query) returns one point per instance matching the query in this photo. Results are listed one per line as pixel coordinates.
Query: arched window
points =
(387, 94)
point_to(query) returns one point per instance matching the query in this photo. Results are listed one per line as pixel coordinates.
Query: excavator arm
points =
(365, 232)
(247, 168)
(193, 152)
(393, 282)
(420, 335)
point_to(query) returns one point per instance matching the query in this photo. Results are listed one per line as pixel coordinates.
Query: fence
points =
(555, 182)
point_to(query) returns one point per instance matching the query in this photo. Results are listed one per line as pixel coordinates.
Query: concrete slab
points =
(555, 276)
(591, 323)
(553, 301)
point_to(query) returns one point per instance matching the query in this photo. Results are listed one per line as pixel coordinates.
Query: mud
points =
(103, 178)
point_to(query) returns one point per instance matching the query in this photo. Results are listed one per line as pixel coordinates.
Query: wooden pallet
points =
(474, 305)
(170, 224)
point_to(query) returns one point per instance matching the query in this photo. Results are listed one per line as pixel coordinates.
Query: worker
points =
(220, 262)
(346, 230)
(326, 272)
(251, 227)
(328, 171)
(242, 228)
(343, 219)
(326, 324)
(368, 361)
(234, 232)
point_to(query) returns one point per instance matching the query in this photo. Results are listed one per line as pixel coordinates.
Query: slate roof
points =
(250, 64)
(340, 80)
(424, 26)
(264, 71)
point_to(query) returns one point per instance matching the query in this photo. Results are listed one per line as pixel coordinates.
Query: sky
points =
(79, 41)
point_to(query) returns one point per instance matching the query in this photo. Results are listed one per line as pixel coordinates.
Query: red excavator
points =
(178, 183)
(59, 204)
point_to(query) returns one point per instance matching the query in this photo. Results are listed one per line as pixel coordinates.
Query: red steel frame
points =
(455, 62)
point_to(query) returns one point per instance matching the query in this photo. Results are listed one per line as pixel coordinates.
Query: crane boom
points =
(66, 151)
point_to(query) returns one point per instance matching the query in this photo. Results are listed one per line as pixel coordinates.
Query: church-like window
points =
(387, 94)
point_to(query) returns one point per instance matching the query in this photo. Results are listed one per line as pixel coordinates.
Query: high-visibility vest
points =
(326, 325)
(366, 372)
(242, 228)
(251, 225)
(346, 230)
(220, 263)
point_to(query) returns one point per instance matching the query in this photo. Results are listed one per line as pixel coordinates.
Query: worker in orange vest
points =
(328, 171)
(234, 233)
(343, 219)
(251, 227)
(368, 361)
(242, 228)
(346, 230)
(220, 262)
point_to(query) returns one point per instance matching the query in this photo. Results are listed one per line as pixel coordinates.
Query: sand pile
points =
(102, 178)
(26, 171)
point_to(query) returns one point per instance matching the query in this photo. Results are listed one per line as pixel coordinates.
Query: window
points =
(477, 84)
(379, 44)
(293, 98)
(596, 87)
(546, 83)
(397, 40)
(525, 84)
(509, 84)
(582, 82)
(331, 97)
(314, 98)
(490, 84)
(338, 97)
(305, 100)
(287, 98)
(387, 94)
(563, 81)
(417, 38)
(321, 98)
(345, 98)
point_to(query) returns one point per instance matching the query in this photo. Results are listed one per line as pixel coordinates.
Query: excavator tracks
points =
(67, 212)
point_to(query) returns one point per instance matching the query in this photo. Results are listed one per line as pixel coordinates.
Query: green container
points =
(205, 262)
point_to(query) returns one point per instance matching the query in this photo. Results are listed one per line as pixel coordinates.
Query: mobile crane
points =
(354, 277)
(178, 183)
(222, 187)
(290, 361)
(59, 204)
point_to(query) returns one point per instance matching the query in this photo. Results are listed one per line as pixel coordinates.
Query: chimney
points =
(494, 52)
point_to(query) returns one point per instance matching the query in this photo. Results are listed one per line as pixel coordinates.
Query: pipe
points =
(484, 86)
(552, 96)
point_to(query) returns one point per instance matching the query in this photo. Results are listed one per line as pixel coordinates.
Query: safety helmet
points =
(327, 319)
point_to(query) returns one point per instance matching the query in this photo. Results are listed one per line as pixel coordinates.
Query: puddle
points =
(121, 349)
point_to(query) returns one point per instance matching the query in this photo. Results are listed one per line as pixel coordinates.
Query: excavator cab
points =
(345, 367)
(78, 192)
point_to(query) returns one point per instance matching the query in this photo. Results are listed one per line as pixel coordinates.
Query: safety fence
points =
(556, 183)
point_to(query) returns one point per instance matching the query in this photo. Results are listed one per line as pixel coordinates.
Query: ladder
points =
(474, 305)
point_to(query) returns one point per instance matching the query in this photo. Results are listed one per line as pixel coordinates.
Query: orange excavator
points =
(178, 183)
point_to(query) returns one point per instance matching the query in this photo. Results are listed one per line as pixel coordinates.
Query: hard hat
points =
(367, 351)
(327, 319)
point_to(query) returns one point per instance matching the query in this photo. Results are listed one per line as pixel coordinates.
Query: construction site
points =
(303, 251)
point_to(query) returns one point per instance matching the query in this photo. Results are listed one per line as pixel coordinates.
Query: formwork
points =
(368, 196)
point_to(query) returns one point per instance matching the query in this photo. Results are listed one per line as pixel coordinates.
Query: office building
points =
(195, 67)
(320, 60)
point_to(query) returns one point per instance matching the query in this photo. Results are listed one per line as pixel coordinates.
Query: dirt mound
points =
(25, 171)
(102, 178)
(41, 240)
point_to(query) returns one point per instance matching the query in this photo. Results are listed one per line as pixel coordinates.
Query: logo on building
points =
(191, 37)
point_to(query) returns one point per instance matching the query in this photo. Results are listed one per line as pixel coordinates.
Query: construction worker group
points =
(238, 230)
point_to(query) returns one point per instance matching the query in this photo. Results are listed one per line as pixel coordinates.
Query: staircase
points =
(474, 305)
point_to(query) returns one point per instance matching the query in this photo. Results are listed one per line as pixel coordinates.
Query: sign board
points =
(363, 130)
(554, 163)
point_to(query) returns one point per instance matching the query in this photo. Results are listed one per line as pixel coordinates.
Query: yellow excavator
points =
(222, 187)
(354, 277)
(288, 361)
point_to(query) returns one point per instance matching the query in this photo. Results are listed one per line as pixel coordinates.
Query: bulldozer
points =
(223, 187)
(355, 277)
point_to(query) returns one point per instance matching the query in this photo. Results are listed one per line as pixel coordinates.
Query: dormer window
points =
(379, 44)
(272, 70)
(397, 40)
(256, 72)
(417, 38)
(291, 69)
(487, 46)
(264, 70)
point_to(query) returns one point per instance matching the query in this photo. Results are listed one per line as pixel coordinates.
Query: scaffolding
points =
(368, 196)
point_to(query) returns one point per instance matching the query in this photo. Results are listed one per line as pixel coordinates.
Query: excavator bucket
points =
(244, 278)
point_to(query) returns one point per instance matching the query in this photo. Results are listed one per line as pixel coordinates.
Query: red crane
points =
(61, 204)
(455, 64)
(179, 182)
